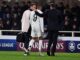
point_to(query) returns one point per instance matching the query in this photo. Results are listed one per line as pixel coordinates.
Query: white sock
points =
(40, 45)
(25, 49)
(31, 43)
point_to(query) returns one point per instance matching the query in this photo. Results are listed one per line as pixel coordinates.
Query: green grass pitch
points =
(17, 55)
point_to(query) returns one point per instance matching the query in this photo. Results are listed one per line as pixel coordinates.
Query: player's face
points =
(33, 7)
(39, 7)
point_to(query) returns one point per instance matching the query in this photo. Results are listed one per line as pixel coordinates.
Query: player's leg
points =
(50, 37)
(32, 39)
(31, 43)
(40, 42)
(55, 36)
(21, 45)
(26, 43)
(21, 40)
(40, 46)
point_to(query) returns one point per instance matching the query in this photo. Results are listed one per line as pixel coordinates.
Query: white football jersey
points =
(36, 21)
(25, 21)
(37, 24)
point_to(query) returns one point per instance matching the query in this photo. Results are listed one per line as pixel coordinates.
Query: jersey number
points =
(34, 17)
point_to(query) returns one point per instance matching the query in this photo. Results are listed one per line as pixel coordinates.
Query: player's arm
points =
(44, 14)
(39, 14)
(25, 21)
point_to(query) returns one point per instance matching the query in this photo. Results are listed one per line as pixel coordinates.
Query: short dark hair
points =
(33, 4)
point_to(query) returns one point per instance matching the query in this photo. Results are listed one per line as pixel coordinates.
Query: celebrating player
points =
(37, 28)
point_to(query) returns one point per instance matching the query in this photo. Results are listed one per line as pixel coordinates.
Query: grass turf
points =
(17, 55)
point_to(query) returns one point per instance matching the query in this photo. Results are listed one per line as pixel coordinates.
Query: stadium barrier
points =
(72, 32)
(65, 44)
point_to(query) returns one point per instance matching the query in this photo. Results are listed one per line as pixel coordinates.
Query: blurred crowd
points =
(11, 14)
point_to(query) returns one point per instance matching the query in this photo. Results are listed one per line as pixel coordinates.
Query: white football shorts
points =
(36, 31)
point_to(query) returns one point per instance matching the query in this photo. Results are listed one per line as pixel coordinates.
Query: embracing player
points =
(37, 28)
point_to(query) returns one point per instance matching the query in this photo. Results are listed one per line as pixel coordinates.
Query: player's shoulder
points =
(26, 11)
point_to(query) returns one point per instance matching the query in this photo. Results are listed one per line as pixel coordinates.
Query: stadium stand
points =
(10, 16)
